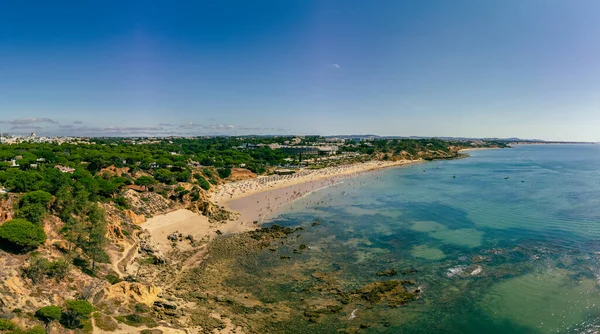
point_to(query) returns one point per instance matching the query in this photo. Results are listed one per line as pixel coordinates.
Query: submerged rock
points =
(388, 272)
(392, 293)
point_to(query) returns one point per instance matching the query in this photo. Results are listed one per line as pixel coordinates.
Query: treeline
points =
(414, 147)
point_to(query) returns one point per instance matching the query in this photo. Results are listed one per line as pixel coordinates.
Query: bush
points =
(39, 268)
(6, 325)
(80, 307)
(121, 202)
(137, 320)
(224, 172)
(105, 322)
(203, 183)
(207, 172)
(21, 236)
(113, 279)
(49, 313)
(77, 310)
(32, 330)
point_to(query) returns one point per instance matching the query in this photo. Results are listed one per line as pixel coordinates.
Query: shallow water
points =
(506, 241)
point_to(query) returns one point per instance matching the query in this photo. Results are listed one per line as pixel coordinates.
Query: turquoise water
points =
(506, 241)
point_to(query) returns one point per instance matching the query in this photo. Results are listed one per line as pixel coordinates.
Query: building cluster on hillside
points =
(33, 138)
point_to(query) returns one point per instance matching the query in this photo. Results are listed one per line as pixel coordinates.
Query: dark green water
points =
(507, 241)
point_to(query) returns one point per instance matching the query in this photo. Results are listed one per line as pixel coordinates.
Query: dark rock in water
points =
(479, 258)
(285, 257)
(392, 293)
(271, 233)
(314, 312)
(303, 247)
(316, 223)
(409, 271)
(388, 272)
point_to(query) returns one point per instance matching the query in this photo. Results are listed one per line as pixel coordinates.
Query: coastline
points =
(255, 200)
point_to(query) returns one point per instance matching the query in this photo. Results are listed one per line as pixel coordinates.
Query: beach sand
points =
(187, 222)
(257, 199)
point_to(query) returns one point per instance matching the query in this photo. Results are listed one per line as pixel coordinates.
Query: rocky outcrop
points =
(113, 171)
(239, 174)
(148, 203)
(134, 218)
(125, 293)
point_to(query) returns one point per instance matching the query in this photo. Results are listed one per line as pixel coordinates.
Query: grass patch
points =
(137, 320)
(105, 322)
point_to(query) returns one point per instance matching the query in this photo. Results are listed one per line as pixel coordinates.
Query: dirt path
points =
(122, 263)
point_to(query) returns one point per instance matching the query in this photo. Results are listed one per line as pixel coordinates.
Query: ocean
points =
(505, 241)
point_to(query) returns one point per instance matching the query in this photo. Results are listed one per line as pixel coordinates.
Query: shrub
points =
(113, 279)
(77, 310)
(21, 236)
(49, 313)
(121, 202)
(207, 172)
(137, 320)
(203, 183)
(33, 330)
(145, 180)
(105, 322)
(224, 172)
(80, 307)
(6, 325)
(39, 268)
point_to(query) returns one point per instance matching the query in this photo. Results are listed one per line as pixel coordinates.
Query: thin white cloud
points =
(336, 66)
(21, 121)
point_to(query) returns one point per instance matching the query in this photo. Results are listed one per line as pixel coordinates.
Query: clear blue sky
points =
(497, 68)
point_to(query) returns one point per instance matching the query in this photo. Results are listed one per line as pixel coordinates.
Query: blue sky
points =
(526, 68)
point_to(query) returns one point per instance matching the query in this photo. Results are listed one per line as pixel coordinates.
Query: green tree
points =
(49, 314)
(145, 181)
(77, 310)
(34, 213)
(96, 236)
(164, 175)
(36, 197)
(21, 236)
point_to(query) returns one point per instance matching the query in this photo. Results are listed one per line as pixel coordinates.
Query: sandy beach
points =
(187, 222)
(258, 198)
(255, 200)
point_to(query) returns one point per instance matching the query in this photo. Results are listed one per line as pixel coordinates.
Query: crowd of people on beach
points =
(232, 190)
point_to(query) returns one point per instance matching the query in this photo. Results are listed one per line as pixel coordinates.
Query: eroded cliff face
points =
(136, 275)
(147, 204)
(7, 203)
